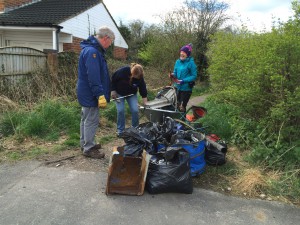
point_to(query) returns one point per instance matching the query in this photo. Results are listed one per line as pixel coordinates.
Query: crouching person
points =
(126, 81)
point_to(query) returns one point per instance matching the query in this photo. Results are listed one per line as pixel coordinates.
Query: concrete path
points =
(31, 193)
(197, 100)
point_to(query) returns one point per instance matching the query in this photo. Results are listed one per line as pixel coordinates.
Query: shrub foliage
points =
(258, 76)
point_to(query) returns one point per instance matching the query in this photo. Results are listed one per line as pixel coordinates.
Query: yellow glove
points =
(102, 102)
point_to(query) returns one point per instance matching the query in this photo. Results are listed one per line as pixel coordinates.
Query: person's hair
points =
(137, 71)
(105, 31)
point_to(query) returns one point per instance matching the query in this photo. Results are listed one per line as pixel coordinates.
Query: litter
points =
(127, 174)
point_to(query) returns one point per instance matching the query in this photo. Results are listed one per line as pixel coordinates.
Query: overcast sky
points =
(256, 14)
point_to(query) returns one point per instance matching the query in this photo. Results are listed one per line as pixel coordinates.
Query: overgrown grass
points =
(218, 119)
(106, 139)
(200, 89)
(266, 154)
(46, 120)
(42, 115)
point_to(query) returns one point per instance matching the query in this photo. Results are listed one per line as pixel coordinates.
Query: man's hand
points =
(145, 100)
(171, 75)
(102, 103)
(114, 94)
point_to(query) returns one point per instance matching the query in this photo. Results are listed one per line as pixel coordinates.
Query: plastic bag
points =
(136, 142)
(194, 143)
(172, 175)
(215, 154)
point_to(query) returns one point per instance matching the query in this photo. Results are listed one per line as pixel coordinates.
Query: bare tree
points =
(200, 19)
(194, 22)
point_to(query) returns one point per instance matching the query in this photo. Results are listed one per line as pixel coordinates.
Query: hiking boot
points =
(119, 135)
(97, 146)
(94, 153)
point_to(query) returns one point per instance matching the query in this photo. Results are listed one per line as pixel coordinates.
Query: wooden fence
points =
(18, 62)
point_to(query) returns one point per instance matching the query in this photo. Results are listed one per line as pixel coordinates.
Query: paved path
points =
(197, 100)
(31, 193)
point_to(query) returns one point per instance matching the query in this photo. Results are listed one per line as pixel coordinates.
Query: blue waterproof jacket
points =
(185, 70)
(93, 76)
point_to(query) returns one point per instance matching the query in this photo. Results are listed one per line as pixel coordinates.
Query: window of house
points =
(7, 43)
(1, 40)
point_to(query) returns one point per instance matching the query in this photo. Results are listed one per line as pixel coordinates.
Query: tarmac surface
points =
(32, 193)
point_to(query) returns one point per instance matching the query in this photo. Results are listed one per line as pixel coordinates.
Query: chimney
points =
(7, 5)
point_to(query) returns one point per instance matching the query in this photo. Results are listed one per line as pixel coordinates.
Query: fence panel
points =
(19, 62)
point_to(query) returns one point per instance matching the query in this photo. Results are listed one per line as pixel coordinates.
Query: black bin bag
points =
(169, 173)
(215, 154)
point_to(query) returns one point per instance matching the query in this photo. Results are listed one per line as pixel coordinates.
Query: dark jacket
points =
(121, 83)
(93, 76)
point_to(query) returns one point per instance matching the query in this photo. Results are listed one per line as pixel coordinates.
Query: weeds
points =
(200, 89)
(45, 120)
(218, 119)
(106, 139)
(250, 181)
(36, 112)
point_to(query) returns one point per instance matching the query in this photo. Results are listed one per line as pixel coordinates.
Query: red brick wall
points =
(73, 47)
(119, 53)
(1, 5)
(12, 3)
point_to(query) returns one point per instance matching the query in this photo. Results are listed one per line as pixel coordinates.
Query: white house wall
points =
(34, 39)
(87, 23)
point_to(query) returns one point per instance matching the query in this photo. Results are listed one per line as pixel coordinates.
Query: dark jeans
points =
(183, 98)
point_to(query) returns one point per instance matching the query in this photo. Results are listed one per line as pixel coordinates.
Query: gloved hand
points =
(114, 94)
(180, 82)
(102, 103)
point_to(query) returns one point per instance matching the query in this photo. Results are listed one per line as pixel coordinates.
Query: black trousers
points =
(183, 98)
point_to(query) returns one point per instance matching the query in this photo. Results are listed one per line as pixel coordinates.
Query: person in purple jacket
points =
(93, 88)
(126, 81)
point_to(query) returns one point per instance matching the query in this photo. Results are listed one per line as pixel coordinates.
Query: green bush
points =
(218, 119)
(257, 77)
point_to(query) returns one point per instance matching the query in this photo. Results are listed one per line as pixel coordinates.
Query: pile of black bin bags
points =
(177, 155)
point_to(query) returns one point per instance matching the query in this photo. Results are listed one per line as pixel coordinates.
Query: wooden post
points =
(52, 61)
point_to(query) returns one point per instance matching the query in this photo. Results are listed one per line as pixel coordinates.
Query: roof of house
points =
(46, 12)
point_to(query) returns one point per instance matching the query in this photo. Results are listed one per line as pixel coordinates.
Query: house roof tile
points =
(46, 12)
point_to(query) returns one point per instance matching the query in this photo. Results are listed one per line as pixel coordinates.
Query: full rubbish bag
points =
(215, 150)
(146, 136)
(135, 142)
(194, 143)
(169, 172)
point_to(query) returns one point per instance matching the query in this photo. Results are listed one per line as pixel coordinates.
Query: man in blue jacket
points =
(93, 88)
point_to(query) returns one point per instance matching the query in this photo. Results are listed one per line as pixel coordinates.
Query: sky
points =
(256, 14)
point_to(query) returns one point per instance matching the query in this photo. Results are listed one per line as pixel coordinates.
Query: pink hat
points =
(187, 49)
